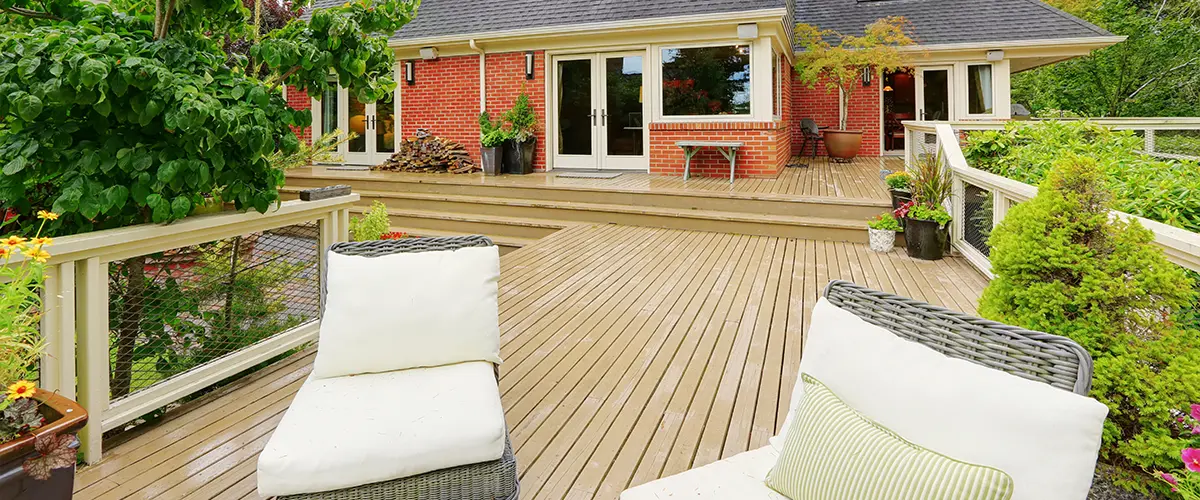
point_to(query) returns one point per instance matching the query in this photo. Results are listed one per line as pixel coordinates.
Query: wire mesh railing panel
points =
(978, 217)
(173, 311)
(1177, 144)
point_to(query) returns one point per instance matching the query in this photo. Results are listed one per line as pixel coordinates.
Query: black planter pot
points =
(63, 416)
(518, 157)
(899, 198)
(490, 159)
(924, 239)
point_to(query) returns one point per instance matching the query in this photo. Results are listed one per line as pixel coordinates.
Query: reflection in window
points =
(706, 81)
(979, 89)
(776, 77)
(329, 110)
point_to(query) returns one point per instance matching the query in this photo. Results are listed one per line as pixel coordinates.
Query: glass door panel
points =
(623, 106)
(358, 122)
(384, 123)
(935, 94)
(575, 111)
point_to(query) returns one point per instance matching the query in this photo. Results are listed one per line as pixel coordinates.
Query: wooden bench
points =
(728, 149)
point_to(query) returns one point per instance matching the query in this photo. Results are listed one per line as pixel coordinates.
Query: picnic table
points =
(728, 149)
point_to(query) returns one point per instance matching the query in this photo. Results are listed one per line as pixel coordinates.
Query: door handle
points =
(373, 122)
(593, 115)
(604, 117)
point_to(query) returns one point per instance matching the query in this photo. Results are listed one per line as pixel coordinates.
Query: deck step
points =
(525, 218)
(724, 201)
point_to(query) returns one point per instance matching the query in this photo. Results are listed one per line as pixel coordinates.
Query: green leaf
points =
(142, 160)
(27, 67)
(28, 107)
(181, 207)
(116, 196)
(168, 171)
(160, 210)
(258, 96)
(68, 201)
(15, 166)
(237, 92)
(92, 72)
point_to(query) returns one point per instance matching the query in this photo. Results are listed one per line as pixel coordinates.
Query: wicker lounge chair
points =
(1049, 359)
(495, 479)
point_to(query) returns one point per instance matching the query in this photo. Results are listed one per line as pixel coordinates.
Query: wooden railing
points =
(981, 199)
(76, 321)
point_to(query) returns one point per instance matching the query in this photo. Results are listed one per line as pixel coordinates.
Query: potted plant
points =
(926, 229)
(841, 68)
(37, 428)
(900, 186)
(522, 135)
(492, 137)
(881, 232)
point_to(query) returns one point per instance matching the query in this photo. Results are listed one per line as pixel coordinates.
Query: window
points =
(329, 111)
(777, 78)
(706, 81)
(979, 89)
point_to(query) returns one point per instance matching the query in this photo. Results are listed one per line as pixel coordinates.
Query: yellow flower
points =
(22, 389)
(5, 252)
(37, 254)
(12, 241)
(42, 241)
(44, 214)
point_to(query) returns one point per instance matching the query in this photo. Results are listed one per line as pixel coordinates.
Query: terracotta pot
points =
(63, 416)
(843, 144)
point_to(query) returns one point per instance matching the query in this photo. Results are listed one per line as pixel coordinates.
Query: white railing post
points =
(1149, 137)
(57, 372)
(92, 330)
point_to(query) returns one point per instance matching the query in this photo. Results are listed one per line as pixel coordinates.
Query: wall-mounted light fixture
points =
(995, 55)
(866, 77)
(429, 53)
(410, 73)
(529, 65)
(748, 31)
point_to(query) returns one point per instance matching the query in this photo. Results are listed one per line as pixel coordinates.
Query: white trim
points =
(1037, 43)
(656, 87)
(607, 26)
(967, 90)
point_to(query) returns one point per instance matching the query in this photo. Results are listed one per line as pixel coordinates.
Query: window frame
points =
(657, 67)
(967, 90)
(777, 85)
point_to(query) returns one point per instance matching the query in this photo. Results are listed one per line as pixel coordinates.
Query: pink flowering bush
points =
(1186, 482)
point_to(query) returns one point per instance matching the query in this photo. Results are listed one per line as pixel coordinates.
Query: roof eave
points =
(761, 15)
(1083, 43)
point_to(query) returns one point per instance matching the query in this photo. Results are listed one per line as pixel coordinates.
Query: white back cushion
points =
(409, 310)
(1046, 438)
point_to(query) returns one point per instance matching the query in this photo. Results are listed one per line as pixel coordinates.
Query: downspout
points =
(482, 75)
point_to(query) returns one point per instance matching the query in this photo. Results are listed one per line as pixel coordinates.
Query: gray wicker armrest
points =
(1029, 354)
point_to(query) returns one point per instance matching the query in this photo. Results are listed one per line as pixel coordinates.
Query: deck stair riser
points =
(845, 208)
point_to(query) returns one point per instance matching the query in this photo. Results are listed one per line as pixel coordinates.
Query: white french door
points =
(599, 106)
(374, 127)
(935, 98)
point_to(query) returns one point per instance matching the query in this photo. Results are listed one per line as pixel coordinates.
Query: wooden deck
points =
(857, 180)
(630, 354)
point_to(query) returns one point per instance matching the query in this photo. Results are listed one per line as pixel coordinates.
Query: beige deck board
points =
(858, 179)
(630, 353)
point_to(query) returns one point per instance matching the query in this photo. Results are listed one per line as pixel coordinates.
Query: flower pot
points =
(62, 416)
(518, 157)
(881, 240)
(924, 239)
(490, 158)
(899, 197)
(843, 145)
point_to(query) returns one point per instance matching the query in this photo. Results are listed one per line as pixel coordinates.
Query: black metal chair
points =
(811, 133)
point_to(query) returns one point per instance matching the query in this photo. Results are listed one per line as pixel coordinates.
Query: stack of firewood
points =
(428, 153)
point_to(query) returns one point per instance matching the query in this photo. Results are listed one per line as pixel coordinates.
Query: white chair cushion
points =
(409, 310)
(1046, 438)
(349, 431)
(740, 476)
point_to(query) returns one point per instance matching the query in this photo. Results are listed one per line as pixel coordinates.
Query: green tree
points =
(1154, 72)
(840, 66)
(1063, 266)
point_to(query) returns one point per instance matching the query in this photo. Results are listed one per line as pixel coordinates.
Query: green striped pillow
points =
(833, 452)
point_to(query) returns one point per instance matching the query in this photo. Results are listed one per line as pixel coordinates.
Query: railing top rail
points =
(142, 239)
(1181, 246)
(1158, 123)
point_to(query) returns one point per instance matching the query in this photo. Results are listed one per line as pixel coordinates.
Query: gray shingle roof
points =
(951, 21)
(460, 17)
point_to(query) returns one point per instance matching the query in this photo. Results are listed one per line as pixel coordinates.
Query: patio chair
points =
(431, 431)
(883, 355)
(811, 133)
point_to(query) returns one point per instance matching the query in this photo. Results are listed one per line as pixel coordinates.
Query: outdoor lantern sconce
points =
(410, 76)
(529, 65)
(866, 77)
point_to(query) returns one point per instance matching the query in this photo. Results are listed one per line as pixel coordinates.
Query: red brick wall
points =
(865, 113)
(297, 99)
(444, 99)
(506, 80)
(765, 153)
